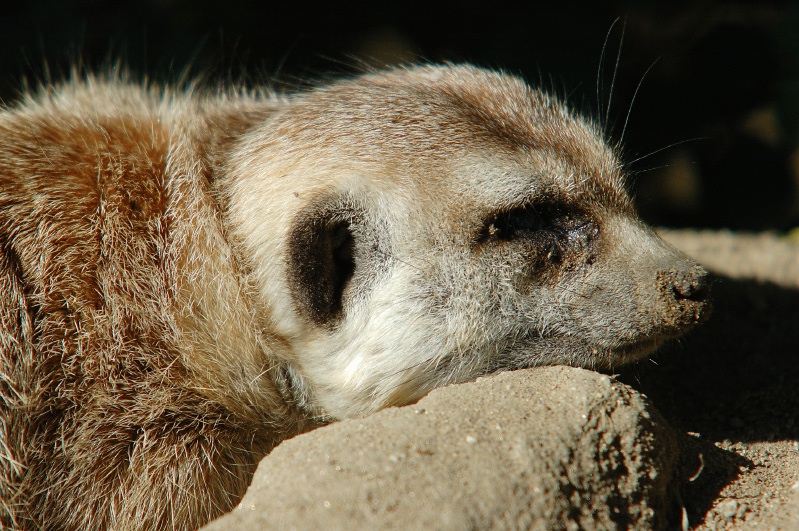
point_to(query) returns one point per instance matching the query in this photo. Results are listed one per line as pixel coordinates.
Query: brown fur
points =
(105, 423)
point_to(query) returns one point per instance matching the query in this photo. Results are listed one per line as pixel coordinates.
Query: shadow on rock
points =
(734, 378)
(710, 469)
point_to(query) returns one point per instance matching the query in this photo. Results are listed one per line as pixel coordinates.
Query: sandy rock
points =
(542, 448)
(732, 382)
(783, 514)
(763, 257)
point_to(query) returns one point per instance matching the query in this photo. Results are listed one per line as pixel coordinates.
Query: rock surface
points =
(542, 448)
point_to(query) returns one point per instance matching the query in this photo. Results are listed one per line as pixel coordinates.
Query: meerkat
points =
(188, 277)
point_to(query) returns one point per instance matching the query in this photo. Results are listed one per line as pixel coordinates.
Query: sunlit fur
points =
(152, 344)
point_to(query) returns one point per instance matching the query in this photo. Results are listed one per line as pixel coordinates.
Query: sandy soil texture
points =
(733, 384)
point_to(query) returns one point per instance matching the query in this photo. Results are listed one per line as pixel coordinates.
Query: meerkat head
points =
(422, 226)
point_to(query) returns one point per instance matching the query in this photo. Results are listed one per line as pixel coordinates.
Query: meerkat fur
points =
(188, 277)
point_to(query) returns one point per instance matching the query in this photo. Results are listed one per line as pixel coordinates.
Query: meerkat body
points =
(187, 279)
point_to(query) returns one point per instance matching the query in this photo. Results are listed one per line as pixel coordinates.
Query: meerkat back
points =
(105, 423)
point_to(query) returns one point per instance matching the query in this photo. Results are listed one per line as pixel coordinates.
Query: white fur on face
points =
(429, 303)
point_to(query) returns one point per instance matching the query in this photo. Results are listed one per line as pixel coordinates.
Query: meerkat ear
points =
(321, 261)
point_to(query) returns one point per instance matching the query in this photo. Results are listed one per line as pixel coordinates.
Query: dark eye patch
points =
(321, 262)
(533, 220)
(512, 224)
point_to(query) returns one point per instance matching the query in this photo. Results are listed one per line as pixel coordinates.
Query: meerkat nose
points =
(692, 284)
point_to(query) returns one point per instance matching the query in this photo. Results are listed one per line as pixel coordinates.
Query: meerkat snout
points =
(686, 291)
(691, 284)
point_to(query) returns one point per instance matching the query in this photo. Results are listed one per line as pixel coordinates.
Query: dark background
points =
(712, 134)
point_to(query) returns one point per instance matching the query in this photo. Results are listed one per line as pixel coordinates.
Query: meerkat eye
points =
(514, 223)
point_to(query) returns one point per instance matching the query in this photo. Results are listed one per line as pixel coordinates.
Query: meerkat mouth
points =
(636, 351)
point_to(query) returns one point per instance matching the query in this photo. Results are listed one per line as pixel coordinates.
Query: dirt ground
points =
(732, 385)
